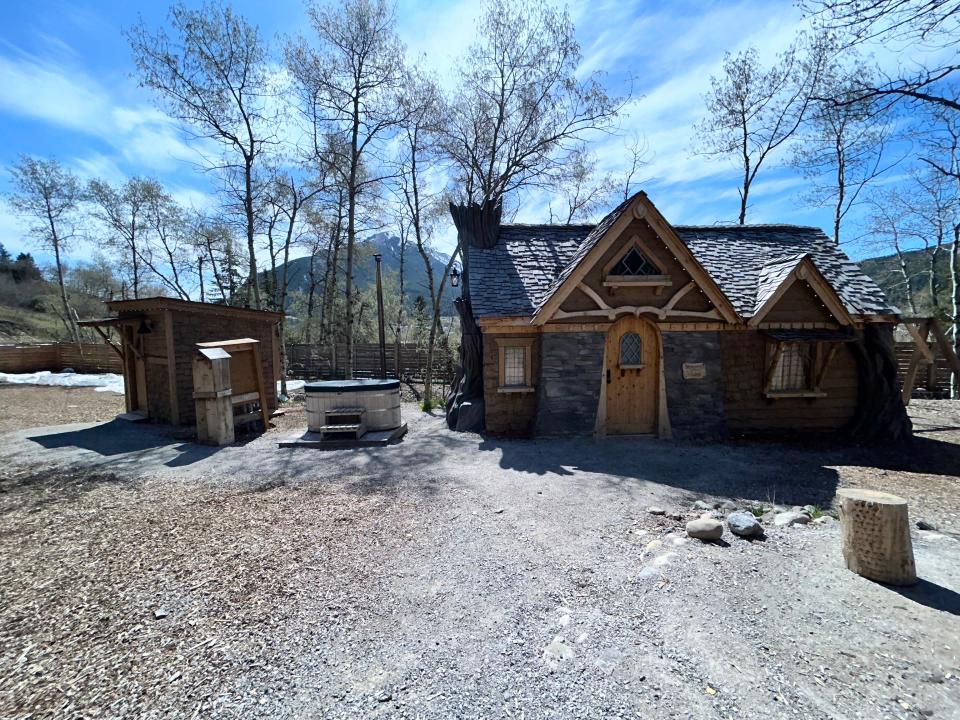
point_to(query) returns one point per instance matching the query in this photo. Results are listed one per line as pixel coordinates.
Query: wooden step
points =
(343, 430)
(338, 411)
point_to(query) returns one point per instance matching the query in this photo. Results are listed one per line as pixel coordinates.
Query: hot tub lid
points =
(348, 386)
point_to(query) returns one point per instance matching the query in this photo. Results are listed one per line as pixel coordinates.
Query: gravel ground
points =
(34, 406)
(455, 576)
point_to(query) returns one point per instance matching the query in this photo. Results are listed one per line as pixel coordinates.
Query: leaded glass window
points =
(630, 349)
(514, 366)
(634, 264)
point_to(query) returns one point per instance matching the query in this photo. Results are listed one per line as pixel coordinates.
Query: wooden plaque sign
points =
(694, 371)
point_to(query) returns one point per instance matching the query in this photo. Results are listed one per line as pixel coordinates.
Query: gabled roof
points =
(529, 262)
(773, 273)
(734, 255)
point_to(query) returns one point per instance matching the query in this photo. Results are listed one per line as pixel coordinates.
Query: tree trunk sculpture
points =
(880, 412)
(477, 225)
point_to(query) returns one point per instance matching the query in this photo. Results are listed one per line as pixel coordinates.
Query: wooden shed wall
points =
(192, 328)
(748, 410)
(508, 414)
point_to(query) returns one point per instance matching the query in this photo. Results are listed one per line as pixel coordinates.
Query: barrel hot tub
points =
(380, 399)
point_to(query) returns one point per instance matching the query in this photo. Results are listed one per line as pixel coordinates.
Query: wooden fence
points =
(933, 380)
(304, 361)
(87, 358)
(316, 362)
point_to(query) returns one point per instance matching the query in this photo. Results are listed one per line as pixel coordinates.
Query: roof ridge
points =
(749, 226)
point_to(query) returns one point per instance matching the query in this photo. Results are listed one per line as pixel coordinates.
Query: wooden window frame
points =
(822, 355)
(527, 345)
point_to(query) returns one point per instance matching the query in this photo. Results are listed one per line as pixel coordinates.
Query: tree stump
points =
(876, 536)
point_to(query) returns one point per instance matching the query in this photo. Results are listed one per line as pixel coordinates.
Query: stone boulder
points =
(744, 524)
(705, 528)
(790, 518)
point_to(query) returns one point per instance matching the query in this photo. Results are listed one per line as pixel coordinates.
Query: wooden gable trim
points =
(546, 312)
(641, 209)
(690, 263)
(806, 270)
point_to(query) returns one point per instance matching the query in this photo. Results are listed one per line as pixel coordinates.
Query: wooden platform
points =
(372, 438)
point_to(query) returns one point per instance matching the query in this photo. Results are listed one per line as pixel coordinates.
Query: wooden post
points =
(212, 393)
(171, 367)
(380, 321)
(875, 530)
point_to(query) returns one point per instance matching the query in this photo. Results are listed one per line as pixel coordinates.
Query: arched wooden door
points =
(632, 375)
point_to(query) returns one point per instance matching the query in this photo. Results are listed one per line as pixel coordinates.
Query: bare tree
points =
(348, 87)
(286, 200)
(420, 208)
(49, 197)
(212, 74)
(941, 153)
(753, 110)
(121, 213)
(581, 188)
(887, 222)
(637, 150)
(214, 241)
(841, 148)
(521, 107)
(930, 24)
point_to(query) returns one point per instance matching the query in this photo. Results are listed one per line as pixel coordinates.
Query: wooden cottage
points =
(158, 341)
(635, 326)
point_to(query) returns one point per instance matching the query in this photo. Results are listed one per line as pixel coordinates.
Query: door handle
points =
(608, 376)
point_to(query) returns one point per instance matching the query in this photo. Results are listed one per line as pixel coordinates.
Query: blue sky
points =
(66, 91)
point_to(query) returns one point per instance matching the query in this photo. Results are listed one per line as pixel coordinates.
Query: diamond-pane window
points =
(630, 349)
(634, 264)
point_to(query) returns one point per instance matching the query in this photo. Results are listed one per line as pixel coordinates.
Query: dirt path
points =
(451, 576)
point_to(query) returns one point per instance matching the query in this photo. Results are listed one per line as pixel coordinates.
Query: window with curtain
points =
(793, 369)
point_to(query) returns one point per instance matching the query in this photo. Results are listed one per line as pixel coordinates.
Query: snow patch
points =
(100, 382)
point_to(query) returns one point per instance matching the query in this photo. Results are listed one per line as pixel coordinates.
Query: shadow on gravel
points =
(932, 595)
(759, 472)
(118, 437)
(921, 455)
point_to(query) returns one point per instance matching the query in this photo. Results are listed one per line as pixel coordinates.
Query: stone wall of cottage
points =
(694, 403)
(568, 393)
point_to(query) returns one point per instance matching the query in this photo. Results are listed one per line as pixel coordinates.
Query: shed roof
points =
(141, 305)
(528, 262)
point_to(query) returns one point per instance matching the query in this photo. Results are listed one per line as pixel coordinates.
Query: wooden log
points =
(875, 530)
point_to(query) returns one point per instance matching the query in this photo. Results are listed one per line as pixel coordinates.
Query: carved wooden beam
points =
(661, 313)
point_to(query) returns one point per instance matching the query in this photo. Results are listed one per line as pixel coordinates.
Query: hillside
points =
(415, 275)
(887, 274)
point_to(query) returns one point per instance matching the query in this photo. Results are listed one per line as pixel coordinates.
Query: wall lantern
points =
(455, 276)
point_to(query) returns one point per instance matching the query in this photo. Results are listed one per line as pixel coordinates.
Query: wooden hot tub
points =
(379, 399)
